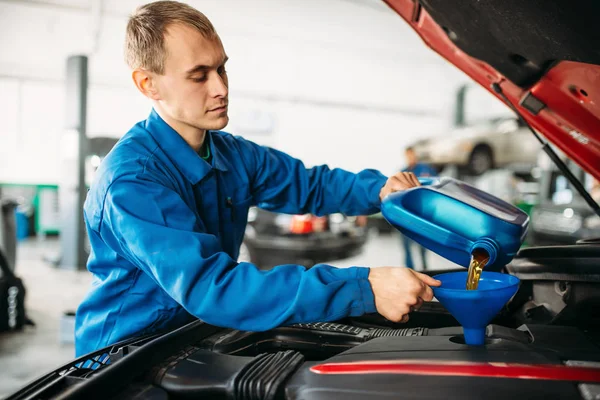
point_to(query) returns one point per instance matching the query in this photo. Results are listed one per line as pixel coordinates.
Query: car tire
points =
(481, 160)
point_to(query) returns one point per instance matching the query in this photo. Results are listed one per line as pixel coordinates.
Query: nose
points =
(218, 86)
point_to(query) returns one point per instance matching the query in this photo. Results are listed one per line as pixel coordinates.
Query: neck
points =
(192, 135)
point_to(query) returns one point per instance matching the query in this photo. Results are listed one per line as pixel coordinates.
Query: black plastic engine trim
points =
(263, 377)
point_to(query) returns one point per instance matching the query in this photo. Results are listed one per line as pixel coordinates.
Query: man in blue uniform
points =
(167, 210)
(420, 170)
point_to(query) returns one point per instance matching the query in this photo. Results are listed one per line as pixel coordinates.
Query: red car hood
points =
(545, 54)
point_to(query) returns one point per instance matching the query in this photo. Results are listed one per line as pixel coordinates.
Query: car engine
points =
(544, 344)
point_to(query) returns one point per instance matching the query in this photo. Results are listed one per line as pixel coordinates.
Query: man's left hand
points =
(400, 181)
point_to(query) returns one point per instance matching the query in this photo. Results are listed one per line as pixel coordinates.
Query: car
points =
(542, 58)
(479, 146)
(273, 239)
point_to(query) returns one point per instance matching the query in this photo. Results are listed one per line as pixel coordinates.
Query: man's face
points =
(194, 87)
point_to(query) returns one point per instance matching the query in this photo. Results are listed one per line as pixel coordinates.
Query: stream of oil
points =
(479, 259)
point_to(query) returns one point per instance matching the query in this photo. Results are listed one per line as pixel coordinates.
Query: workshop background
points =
(340, 82)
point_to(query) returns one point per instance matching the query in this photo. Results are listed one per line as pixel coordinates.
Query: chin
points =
(219, 123)
(212, 124)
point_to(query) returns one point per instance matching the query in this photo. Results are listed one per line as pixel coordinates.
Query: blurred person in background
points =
(420, 170)
(168, 208)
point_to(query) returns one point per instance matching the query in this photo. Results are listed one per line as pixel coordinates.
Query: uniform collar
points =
(191, 165)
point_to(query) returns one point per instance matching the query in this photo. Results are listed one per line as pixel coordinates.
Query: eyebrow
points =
(202, 68)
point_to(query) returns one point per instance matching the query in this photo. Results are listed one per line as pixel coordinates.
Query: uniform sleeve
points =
(152, 227)
(282, 183)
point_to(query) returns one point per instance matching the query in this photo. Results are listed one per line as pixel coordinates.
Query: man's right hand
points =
(399, 290)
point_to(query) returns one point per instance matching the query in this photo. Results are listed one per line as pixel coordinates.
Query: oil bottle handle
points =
(430, 180)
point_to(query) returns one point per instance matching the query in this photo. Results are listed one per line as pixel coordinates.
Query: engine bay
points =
(549, 329)
(238, 363)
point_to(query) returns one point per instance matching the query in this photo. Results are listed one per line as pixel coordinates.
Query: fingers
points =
(417, 306)
(399, 291)
(414, 179)
(400, 181)
(428, 279)
(421, 289)
(407, 178)
(427, 294)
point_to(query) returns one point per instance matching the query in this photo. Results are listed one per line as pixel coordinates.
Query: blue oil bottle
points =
(454, 219)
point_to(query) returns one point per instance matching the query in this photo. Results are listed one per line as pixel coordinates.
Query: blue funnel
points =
(474, 309)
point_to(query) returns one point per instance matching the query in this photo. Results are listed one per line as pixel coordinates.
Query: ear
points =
(145, 82)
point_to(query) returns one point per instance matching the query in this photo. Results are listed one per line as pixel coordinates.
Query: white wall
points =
(343, 82)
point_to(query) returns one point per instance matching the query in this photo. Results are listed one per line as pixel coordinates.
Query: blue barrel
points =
(452, 219)
(22, 223)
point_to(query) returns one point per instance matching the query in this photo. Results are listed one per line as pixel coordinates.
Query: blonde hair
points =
(144, 39)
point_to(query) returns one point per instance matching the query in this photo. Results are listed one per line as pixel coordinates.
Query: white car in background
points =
(485, 135)
(495, 144)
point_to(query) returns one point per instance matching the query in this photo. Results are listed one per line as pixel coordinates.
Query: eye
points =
(200, 79)
(221, 70)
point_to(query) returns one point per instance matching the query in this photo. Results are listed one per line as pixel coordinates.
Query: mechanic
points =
(167, 210)
(420, 169)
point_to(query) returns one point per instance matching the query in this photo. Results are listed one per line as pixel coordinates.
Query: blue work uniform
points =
(165, 228)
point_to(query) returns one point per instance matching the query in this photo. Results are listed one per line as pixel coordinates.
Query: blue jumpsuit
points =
(165, 228)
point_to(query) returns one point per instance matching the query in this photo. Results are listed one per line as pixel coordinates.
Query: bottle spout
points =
(488, 246)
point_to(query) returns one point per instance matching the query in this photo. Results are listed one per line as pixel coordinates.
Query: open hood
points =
(544, 54)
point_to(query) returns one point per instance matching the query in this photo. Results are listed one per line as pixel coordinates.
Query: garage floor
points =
(50, 292)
